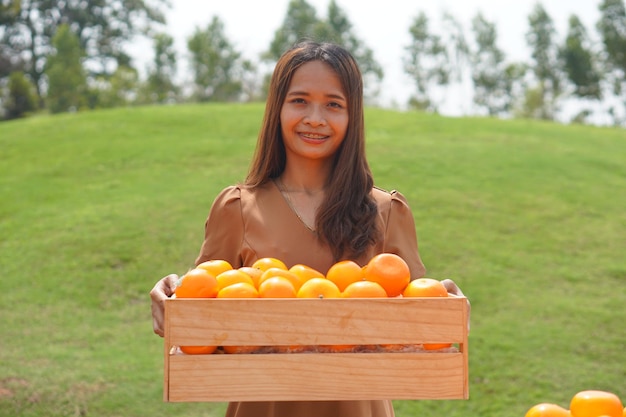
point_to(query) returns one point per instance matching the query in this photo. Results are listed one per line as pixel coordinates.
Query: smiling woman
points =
(309, 198)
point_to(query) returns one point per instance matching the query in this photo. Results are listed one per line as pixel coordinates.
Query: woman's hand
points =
(454, 290)
(162, 290)
(452, 287)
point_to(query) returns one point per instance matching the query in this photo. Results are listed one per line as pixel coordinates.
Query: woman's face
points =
(314, 115)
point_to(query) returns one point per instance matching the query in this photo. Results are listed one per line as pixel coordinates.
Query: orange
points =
(276, 287)
(278, 272)
(233, 276)
(390, 271)
(344, 273)
(393, 347)
(339, 348)
(266, 263)
(238, 290)
(290, 348)
(436, 346)
(425, 287)
(364, 289)
(240, 349)
(319, 288)
(255, 273)
(197, 283)
(198, 350)
(215, 266)
(547, 410)
(305, 272)
(593, 403)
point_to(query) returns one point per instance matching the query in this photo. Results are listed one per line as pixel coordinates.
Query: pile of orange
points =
(385, 275)
(589, 403)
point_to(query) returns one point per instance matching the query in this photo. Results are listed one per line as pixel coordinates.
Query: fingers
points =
(162, 290)
(453, 289)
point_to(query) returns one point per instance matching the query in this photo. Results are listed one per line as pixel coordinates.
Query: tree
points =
(340, 31)
(612, 29)
(102, 27)
(117, 90)
(578, 61)
(67, 83)
(491, 89)
(540, 38)
(301, 22)
(457, 48)
(425, 62)
(160, 86)
(218, 68)
(22, 99)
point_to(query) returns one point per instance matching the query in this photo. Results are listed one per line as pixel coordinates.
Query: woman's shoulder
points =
(241, 193)
(384, 197)
(228, 194)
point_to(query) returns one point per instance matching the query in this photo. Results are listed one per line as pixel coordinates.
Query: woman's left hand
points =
(454, 290)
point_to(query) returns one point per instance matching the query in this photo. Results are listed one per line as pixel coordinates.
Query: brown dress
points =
(245, 225)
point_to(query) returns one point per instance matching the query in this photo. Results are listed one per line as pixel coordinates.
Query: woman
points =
(309, 197)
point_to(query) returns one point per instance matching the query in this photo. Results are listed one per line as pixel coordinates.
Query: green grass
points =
(527, 217)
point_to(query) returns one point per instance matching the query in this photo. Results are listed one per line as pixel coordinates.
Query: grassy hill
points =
(527, 217)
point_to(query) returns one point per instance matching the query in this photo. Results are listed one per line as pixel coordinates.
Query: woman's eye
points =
(335, 105)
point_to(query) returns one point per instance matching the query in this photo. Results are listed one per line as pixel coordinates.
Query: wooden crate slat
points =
(316, 376)
(362, 321)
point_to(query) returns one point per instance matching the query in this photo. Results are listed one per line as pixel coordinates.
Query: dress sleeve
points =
(224, 229)
(400, 235)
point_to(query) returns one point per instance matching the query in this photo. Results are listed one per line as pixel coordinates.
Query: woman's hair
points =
(346, 219)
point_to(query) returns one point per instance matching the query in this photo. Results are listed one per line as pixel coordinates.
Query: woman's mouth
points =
(313, 137)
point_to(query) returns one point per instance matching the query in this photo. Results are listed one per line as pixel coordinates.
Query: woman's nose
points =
(315, 117)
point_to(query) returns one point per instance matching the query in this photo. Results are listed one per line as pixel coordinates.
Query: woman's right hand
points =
(163, 289)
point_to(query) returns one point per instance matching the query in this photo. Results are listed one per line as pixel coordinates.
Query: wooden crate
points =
(316, 376)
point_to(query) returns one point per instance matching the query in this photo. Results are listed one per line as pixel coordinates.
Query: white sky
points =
(382, 25)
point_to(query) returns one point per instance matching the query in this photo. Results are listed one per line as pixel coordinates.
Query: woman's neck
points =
(310, 179)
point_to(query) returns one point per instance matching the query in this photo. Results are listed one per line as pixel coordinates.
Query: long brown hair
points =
(346, 220)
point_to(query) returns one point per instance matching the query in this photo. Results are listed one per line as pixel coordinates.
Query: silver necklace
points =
(285, 194)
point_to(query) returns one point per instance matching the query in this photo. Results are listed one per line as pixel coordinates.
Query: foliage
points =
(102, 27)
(67, 82)
(339, 29)
(22, 98)
(578, 61)
(575, 72)
(523, 215)
(612, 29)
(217, 66)
(301, 22)
(160, 86)
(540, 38)
(117, 90)
(491, 89)
(425, 62)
